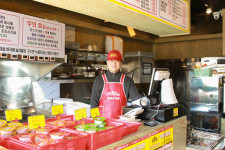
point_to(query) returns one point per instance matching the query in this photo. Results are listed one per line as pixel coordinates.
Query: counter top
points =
(179, 134)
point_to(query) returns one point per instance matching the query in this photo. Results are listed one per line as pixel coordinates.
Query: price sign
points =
(13, 114)
(95, 112)
(57, 109)
(80, 113)
(36, 121)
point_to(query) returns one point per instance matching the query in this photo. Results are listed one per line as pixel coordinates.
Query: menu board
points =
(172, 12)
(26, 35)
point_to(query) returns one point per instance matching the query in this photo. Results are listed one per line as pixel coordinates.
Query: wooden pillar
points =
(223, 14)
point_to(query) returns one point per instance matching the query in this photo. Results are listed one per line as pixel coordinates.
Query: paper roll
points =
(167, 92)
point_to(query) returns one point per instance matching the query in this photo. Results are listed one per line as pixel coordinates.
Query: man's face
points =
(114, 65)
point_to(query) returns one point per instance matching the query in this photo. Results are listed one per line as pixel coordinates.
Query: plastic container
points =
(129, 127)
(203, 72)
(25, 137)
(44, 130)
(104, 137)
(99, 120)
(14, 124)
(22, 129)
(78, 143)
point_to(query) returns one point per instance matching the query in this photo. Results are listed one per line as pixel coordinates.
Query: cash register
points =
(164, 105)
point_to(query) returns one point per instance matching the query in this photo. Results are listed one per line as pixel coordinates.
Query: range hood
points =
(16, 90)
(33, 69)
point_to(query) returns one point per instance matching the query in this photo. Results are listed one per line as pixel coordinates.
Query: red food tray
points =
(78, 143)
(105, 137)
(130, 127)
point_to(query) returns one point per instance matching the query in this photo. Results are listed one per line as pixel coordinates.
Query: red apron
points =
(113, 98)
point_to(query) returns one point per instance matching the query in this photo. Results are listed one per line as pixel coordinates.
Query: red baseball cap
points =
(114, 55)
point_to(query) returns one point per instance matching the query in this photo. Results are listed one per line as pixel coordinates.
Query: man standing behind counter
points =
(112, 89)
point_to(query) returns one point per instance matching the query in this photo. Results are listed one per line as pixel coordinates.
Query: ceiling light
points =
(208, 10)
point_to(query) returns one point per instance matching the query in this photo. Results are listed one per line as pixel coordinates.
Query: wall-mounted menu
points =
(172, 12)
(26, 35)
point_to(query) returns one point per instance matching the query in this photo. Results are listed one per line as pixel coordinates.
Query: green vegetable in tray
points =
(91, 129)
(92, 125)
(80, 127)
(102, 128)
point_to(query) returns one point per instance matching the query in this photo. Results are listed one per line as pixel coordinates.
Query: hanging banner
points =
(172, 12)
(26, 35)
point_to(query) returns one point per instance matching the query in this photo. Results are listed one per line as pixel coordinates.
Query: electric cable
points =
(156, 111)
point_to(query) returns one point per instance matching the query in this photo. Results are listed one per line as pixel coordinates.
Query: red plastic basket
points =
(65, 118)
(72, 118)
(130, 127)
(4, 143)
(13, 145)
(105, 137)
(78, 143)
(68, 118)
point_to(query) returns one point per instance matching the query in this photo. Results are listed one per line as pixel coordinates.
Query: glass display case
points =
(201, 97)
(206, 103)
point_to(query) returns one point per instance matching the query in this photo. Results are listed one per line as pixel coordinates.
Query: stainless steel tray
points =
(45, 108)
(205, 140)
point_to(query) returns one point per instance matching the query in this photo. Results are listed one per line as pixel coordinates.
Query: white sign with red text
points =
(172, 12)
(26, 35)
